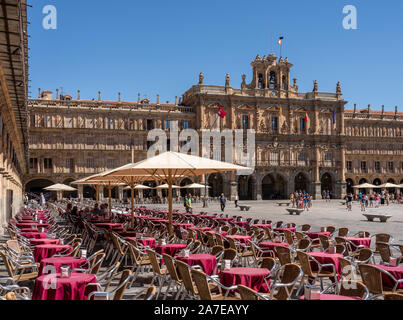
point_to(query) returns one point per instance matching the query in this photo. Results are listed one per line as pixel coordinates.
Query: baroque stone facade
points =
(306, 141)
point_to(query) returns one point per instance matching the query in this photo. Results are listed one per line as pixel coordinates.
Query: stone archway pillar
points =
(258, 189)
(80, 192)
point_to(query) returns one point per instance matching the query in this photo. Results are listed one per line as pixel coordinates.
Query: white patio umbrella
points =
(166, 186)
(388, 185)
(169, 166)
(138, 187)
(59, 188)
(195, 186)
(365, 186)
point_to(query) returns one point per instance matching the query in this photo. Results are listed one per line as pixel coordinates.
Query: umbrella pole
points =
(110, 199)
(97, 194)
(132, 201)
(170, 203)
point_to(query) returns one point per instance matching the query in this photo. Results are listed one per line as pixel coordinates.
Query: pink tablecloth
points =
(184, 225)
(110, 226)
(223, 219)
(360, 241)
(282, 229)
(204, 229)
(242, 224)
(242, 239)
(31, 225)
(171, 248)
(73, 288)
(269, 245)
(315, 235)
(149, 242)
(326, 258)
(48, 250)
(37, 242)
(250, 277)
(59, 262)
(206, 261)
(397, 272)
(264, 226)
(34, 235)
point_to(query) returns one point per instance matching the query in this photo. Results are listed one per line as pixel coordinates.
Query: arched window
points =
(260, 81)
(272, 80)
(284, 82)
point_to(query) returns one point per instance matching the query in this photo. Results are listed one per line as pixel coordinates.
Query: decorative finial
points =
(227, 80)
(57, 93)
(158, 99)
(139, 98)
(99, 95)
(201, 78)
(119, 97)
(338, 88)
(396, 111)
(39, 93)
(355, 108)
(315, 86)
(243, 81)
(78, 94)
(257, 57)
(369, 109)
(383, 109)
(176, 100)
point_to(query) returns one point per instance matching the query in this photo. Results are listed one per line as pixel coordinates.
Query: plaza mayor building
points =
(304, 141)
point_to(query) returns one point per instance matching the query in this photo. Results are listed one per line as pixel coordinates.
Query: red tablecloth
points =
(334, 297)
(206, 261)
(262, 226)
(59, 262)
(72, 288)
(110, 226)
(326, 258)
(242, 239)
(184, 225)
(223, 219)
(242, 224)
(34, 235)
(37, 242)
(149, 242)
(360, 241)
(171, 248)
(30, 225)
(48, 250)
(280, 230)
(269, 245)
(397, 272)
(250, 277)
(204, 229)
(315, 235)
(30, 230)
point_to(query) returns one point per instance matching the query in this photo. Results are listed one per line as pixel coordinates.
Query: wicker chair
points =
(287, 277)
(117, 292)
(305, 227)
(160, 275)
(353, 289)
(150, 293)
(393, 296)
(174, 278)
(249, 294)
(283, 254)
(385, 251)
(343, 232)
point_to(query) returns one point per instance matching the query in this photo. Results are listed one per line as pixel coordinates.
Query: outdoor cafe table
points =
(148, 242)
(282, 229)
(34, 235)
(207, 261)
(58, 262)
(263, 226)
(366, 242)
(223, 219)
(242, 224)
(30, 225)
(333, 297)
(250, 277)
(127, 233)
(326, 258)
(30, 230)
(270, 245)
(110, 226)
(203, 229)
(397, 272)
(37, 242)
(242, 239)
(170, 248)
(315, 235)
(184, 225)
(72, 288)
(48, 250)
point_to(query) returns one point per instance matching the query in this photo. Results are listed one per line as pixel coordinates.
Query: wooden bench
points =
(245, 208)
(381, 217)
(296, 211)
(280, 204)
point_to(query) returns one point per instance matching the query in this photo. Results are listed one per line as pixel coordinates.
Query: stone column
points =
(258, 185)
(317, 186)
(80, 192)
(120, 193)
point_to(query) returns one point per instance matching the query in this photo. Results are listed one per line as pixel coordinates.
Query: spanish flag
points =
(280, 41)
(306, 117)
(221, 113)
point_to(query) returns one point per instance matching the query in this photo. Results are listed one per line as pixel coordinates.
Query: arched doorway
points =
(391, 190)
(89, 192)
(73, 194)
(349, 186)
(377, 182)
(186, 182)
(215, 181)
(301, 182)
(327, 183)
(246, 187)
(35, 187)
(274, 187)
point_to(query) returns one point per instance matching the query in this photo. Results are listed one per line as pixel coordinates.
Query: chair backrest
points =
(283, 254)
(234, 231)
(9, 266)
(289, 275)
(382, 237)
(230, 254)
(288, 236)
(232, 243)
(364, 254)
(353, 289)
(210, 239)
(247, 293)
(347, 271)
(299, 235)
(372, 278)
(97, 262)
(202, 285)
(330, 229)
(384, 250)
(305, 227)
(185, 275)
(303, 244)
(324, 241)
(343, 232)
(13, 244)
(154, 261)
(124, 281)
(279, 224)
(217, 250)
(303, 259)
(268, 263)
(170, 264)
(150, 293)
(393, 296)
(219, 240)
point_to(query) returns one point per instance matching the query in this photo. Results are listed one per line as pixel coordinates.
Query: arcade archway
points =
(246, 187)
(327, 183)
(301, 182)
(216, 183)
(274, 187)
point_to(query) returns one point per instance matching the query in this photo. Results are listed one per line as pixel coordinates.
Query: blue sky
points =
(160, 47)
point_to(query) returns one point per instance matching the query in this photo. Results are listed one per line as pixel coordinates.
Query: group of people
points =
(372, 200)
(301, 200)
(326, 195)
(86, 213)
